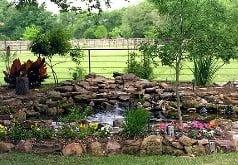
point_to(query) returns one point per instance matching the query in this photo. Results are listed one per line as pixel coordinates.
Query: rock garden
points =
(129, 115)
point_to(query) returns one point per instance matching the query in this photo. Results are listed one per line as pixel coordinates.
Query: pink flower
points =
(162, 126)
(198, 125)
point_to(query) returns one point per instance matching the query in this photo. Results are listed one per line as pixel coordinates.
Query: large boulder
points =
(47, 147)
(170, 150)
(96, 149)
(54, 95)
(113, 147)
(195, 150)
(66, 88)
(75, 149)
(186, 141)
(152, 145)
(24, 146)
(6, 147)
(131, 146)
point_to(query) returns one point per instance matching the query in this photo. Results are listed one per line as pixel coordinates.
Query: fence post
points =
(5, 44)
(20, 47)
(89, 61)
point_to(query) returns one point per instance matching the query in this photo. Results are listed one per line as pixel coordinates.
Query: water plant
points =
(75, 114)
(136, 122)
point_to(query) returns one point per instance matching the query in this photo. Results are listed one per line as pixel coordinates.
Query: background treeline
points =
(132, 22)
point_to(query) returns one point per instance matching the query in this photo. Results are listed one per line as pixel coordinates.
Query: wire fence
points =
(105, 61)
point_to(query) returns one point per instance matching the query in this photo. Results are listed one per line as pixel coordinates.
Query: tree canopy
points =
(194, 28)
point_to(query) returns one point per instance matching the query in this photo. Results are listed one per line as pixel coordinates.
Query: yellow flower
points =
(93, 125)
(82, 125)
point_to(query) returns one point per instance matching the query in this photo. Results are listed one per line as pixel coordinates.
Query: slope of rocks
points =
(127, 90)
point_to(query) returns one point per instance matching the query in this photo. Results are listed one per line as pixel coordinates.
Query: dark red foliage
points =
(35, 71)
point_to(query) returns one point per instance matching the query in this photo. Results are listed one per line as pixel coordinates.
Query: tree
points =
(65, 5)
(15, 26)
(188, 24)
(89, 33)
(101, 32)
(31, 32)
(5, 14)
(115, 33)
(54, 42)
(137, 20)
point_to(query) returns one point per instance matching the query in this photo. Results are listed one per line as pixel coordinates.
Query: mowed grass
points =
(105, 62)
(33, 159)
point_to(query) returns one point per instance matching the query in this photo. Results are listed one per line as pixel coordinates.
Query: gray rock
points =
(63, 89)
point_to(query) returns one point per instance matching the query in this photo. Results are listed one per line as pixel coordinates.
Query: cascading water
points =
(107, 117)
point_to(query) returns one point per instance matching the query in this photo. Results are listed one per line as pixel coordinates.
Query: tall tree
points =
(137, 20)
(6, 12)
(191, 27)
(26, 17)
(66, 5)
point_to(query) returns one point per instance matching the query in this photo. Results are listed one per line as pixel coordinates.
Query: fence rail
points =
(83, 43)
(105, 61)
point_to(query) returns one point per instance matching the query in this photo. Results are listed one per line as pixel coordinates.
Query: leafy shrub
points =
(41, 132)
(77, 55)
(78, 73)
(204, 70)
(136, 122)
(35, 71)
(77, 131)
(21, 132)
(142, 68)
(75, 114)
(68, 131)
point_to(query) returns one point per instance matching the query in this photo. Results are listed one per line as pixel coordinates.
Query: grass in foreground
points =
(32, 159)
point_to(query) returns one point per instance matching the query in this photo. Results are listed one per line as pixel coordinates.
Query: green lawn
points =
(32, 159)
(107, 61)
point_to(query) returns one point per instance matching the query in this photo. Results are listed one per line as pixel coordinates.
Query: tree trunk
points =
(22, 85)
(53, 71)
(177, 91)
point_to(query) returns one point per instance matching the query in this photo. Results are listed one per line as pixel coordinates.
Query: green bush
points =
(78, 73)
(136, 122)
(204, 70)
(77, 56)
(68, 132)
(41, 132)
(142, 68)
(75, 114)
(79, 131)
(20, 132)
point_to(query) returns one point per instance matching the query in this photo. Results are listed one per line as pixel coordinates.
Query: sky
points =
(115, 4)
